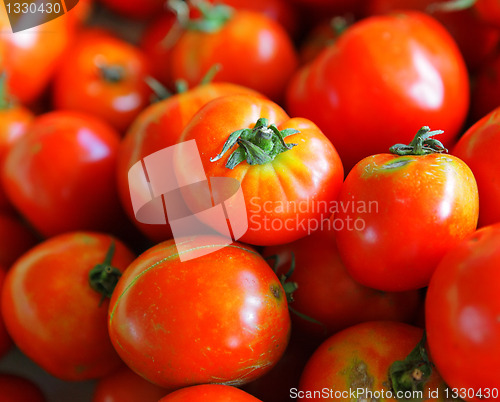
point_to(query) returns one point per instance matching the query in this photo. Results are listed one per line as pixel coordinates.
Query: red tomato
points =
(19, 389)
(136, 9)
(485, 96)
(476, 43)
(106, 76)
(53, 313)
(286, 191)
(354, 364)
(405, 67)
(251, 49)
(5, 340)
(209, 393)
(462, 310)
(398, 215)
(327, 294)
(61, 174)
(479, 148)
(159, 126)
(126, 386)
(489, 11)
(15, 239)
(226, 311)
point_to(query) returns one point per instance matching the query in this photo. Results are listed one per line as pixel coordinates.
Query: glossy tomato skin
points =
(462, 309)
(226, 311)
(159, 126)
(52, 313)
(479, 148)
(124, 385)
(359, 357)
(106, 76)
(5, 340)
(19, 389)
(209, 393)
(398, 216)
(16, 239)
(327, 293)
(285, 197)
(252, 50)
(405, 66)
(61, 174)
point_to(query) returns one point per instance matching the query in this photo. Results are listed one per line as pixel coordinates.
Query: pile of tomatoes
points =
(361, 140)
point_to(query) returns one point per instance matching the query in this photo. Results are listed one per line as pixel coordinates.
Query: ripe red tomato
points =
(126, 386)
(209, 393)
(327, 294)
(61, 174)
(398, 215)
(160, 126)
(5, 340)
(53, 313)
(19, 389)
(251, 49)
(479, 148)
(106, 76)
(141, 10)
(489, 11)
(462, 310)
(216, 318)
(485, 92)
(405, 67)
(16, 239)
(287, 187)
(354, 364)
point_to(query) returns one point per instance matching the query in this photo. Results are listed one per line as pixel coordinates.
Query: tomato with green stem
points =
(287, 168)
(205, 313)
(55, 303)
(402, 211)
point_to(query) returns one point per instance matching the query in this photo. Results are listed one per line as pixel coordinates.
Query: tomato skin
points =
(479, 148)
(413, 210)
(281, 196)
(376, 68)
(489, 11)
(360, 357)
(484, 94)
(52, 313)
(106, 76)
(272, 62)
(126, 386)
(5, 340)
(19, 389)
(462, 309)
(226, 311)
(16, 239)
(209, 393)
(159, 126)
(84, 197)
(328, 294)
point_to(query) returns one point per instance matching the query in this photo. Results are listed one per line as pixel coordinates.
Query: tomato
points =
(135, 9)
(30, 57)
(405, 67)
(61, 174)
(462, 310)
(106, 76)
(327, 294)
(476, 43)
(479, 148)
(251, 49)
(354, 364)
(52, 310)
(485, 92)
(5, 340)
(398, 215)
(16, 388)
(16, 239)
(181, 318)
(126, 386)
(209, 393)
(159, 126)
(287, 187)
(489, 11)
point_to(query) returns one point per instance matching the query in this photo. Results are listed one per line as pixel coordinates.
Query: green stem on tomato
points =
(450, 6)
(258, 145)
(213, 16)
(422, 144)
(5, 100)
(112, 74)
(104, 277)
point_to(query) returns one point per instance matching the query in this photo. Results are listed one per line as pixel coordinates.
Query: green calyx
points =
(422, 144)
(258, 145)
(104, 277)
(450, 6)
(212, 16)
(410, 375)
(5, 100)
(112, 74)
